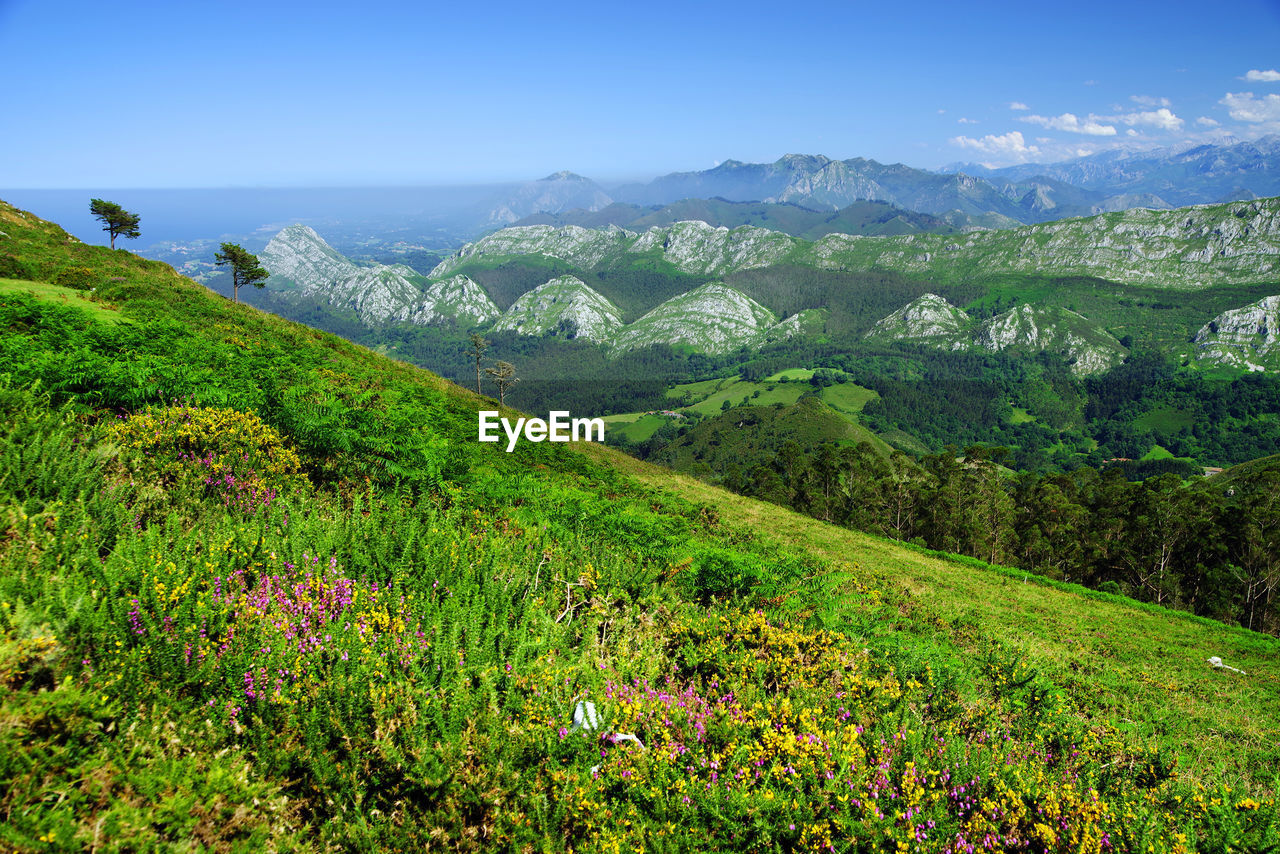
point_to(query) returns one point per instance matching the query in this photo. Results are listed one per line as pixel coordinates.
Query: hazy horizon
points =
(176, 215)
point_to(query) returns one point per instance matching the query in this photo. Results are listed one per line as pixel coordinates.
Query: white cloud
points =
(1163, 119)
(1018, 105)
(1205, 121)
(964, 121)
(1256, 76)
(940, 112)
(1243, 107)
(1150, 101)
(1008, 146)
(1131, 132)
(1072, 124)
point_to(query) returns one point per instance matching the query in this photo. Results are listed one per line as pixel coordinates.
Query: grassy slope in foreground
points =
(63, 295)
(388, 650)
(1142, 666)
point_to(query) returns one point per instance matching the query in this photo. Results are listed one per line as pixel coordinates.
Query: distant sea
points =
(250, 214)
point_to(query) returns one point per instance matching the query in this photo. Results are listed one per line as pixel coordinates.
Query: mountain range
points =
(965, 195)
(866, 217)
(712, 318)
(806, 196)
(1197, 174)
(1186, 249)
(555, 193)
(820, 183)
(711, 299)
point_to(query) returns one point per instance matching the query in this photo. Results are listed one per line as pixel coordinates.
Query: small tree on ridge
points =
(245, 269)
(478, 346)
(504, 377)
(116, 221)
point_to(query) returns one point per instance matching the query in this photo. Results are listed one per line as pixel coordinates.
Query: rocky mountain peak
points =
(694, 246)
(928, 316)
(931, 319)
(564, 175)
(558, 192)
(713, 318)
(302, 257)
(1247, 337)
(459, 300)
(564, 306)
(806, 162)
(1088, 347)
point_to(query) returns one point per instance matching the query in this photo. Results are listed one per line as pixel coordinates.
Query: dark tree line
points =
(1197, 546)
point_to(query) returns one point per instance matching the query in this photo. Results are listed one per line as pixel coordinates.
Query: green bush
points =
(194, 451)
(12, 268)
(724, 574)
(78, 278)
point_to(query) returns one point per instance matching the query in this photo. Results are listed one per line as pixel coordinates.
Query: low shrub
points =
(77, 278)
(13, 268)
(192, 451)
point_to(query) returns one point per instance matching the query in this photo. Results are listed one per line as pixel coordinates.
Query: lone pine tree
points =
(116, 221)
(245, 269)
(504, 377)
(478, 346)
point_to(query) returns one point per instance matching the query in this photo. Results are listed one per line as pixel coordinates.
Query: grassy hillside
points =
(708, 397)
(260, 587)
(746, 436)
(1238, 483)
(636, 426)
(724, 427)
(1140, 666)
(62, 295)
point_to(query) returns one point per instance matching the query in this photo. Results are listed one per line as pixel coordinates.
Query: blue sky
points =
(235, 94)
